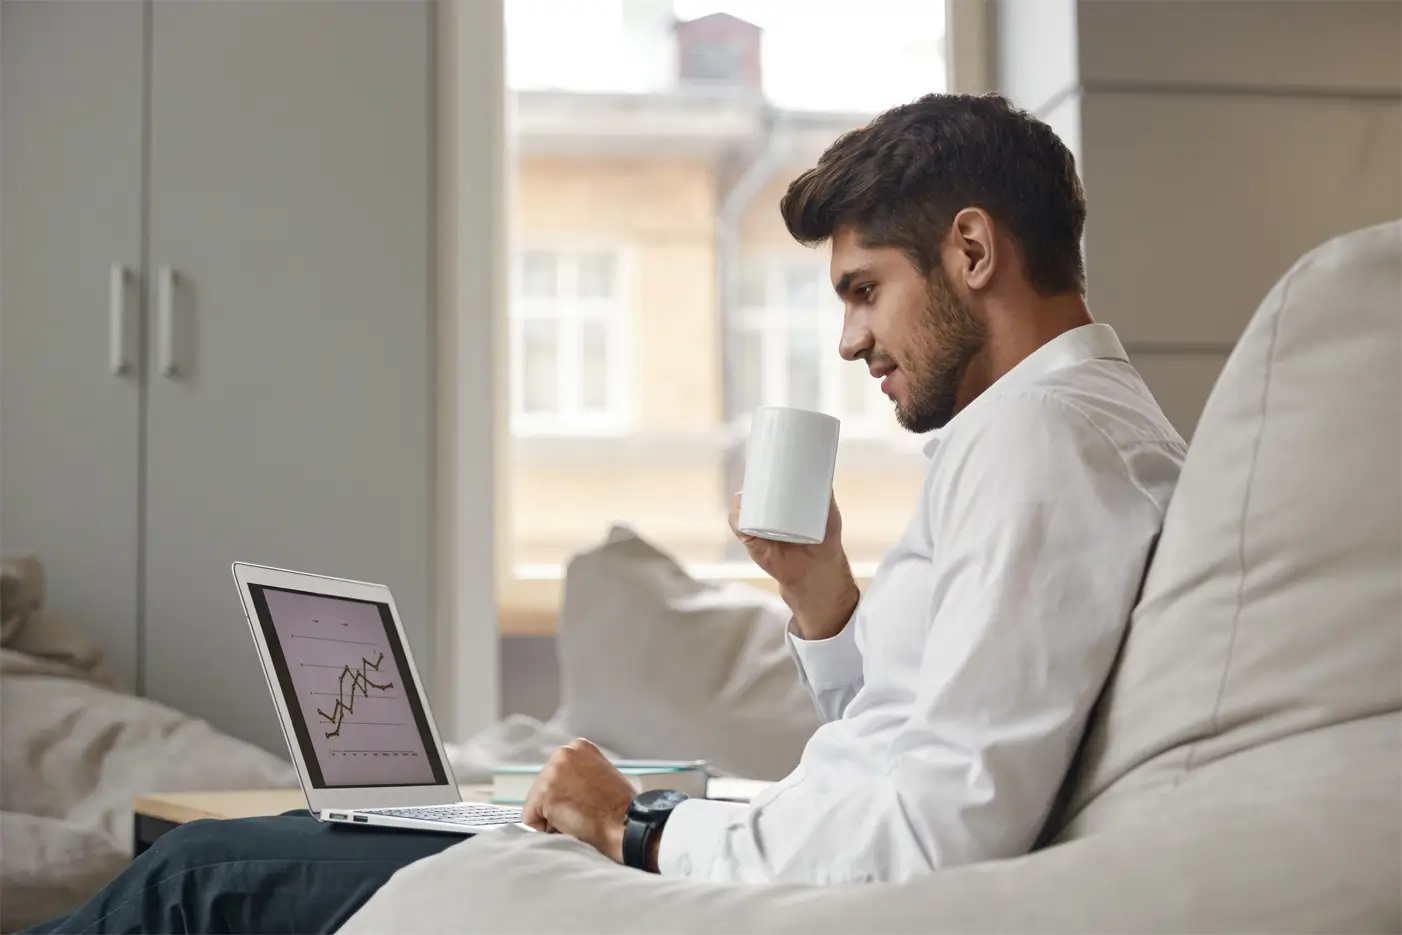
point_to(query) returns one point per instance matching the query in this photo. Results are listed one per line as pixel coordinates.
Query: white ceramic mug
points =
(789, 464)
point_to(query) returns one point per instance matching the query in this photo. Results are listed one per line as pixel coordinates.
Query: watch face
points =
(657, 802)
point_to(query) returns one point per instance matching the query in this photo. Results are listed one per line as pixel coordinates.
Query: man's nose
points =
(856, 341)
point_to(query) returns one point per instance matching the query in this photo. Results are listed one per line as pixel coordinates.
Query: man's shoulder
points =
(1107, 396)
(1019, 428)
(1098, 423)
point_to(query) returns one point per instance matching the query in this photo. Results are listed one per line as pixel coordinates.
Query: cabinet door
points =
(71, 79)
(289, 424)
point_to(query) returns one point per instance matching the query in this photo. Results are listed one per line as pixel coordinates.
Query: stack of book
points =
(512, 782)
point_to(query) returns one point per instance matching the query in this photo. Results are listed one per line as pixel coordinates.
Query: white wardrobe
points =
(216, 252)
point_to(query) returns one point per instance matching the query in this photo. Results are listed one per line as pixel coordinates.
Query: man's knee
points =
(205, 842)
(195, 843)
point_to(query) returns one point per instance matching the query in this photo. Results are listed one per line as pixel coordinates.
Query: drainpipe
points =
(775, 153)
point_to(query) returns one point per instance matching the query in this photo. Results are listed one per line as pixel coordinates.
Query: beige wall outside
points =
(677, 349)
(565, 507)
(762, 225)
(877, 501)
(656, 199)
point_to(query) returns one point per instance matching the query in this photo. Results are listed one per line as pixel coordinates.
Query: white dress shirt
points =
(956, 695)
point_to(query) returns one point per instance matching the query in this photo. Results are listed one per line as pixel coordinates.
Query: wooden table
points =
(160, 812)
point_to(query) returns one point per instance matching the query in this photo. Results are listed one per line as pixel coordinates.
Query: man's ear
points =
(975, 247)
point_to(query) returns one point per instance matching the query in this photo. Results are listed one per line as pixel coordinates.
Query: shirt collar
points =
(1095, 341)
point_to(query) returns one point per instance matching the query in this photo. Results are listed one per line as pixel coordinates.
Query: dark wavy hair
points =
(899, 181)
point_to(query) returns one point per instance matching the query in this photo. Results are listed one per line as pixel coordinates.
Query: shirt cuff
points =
(835, 662)
(691, 839)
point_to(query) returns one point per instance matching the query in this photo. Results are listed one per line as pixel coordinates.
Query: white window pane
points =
(745, 370)
(594, 365)
(597, 276)
(539, 275)
(801, 285)
(540, 366)
(804, 369)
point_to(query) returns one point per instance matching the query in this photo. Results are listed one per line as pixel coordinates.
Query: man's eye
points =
(866, 292)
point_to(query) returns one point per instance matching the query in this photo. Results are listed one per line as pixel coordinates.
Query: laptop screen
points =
(357, 716)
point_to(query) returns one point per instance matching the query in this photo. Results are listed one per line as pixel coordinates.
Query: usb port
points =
(364, 818)
(338, 815)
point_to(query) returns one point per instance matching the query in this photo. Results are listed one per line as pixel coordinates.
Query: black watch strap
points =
(637, 835)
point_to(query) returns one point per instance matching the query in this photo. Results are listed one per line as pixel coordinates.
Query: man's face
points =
(913, 332)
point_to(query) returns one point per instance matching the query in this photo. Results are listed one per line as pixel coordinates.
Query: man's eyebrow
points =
(844, 284)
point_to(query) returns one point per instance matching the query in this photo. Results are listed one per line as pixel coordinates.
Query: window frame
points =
(568, 310)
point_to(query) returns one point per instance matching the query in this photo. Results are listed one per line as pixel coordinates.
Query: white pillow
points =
(74, 754)
(78, 751)
(654, 663)
(1272, 605)
(51, 867)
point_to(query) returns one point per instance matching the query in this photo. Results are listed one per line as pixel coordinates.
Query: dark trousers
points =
(288, 873)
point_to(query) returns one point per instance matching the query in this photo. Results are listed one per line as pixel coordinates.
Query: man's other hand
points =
(814, 580)
(582, 794)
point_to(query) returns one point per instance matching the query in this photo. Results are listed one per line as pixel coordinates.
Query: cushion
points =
(1283, 851)
(80, 751)
(51, 866)
(654, 663)
(75, 751)
(74, 754)
(1268, 625)
(1272, 605)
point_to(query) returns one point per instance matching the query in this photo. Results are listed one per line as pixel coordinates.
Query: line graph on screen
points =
(356, 716)
(360, 684)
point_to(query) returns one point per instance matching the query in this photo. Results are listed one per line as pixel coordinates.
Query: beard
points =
(947, 340)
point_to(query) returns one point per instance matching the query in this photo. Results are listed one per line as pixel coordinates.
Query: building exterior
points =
(657, 299)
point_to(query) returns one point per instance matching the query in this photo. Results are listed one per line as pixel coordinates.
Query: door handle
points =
(118, 331)
(167, 355)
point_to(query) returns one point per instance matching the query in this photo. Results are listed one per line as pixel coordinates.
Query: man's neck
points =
(1015, 330)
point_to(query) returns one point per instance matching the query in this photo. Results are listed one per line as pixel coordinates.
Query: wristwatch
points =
(646, 816)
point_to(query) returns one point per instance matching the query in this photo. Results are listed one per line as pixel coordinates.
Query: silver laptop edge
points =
(392, 772)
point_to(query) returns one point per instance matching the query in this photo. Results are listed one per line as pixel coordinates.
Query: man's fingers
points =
(579, 745)
(532, 816)
(533, 811)
(734, 518)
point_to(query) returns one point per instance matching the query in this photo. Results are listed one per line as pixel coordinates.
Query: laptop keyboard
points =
(454, 814)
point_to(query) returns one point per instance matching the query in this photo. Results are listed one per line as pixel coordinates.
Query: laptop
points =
(351, 705)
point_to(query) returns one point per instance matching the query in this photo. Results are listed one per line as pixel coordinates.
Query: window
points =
(631, 377)
(784, 337)
(567, 346)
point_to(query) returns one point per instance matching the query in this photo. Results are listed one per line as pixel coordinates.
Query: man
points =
(956, 689)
